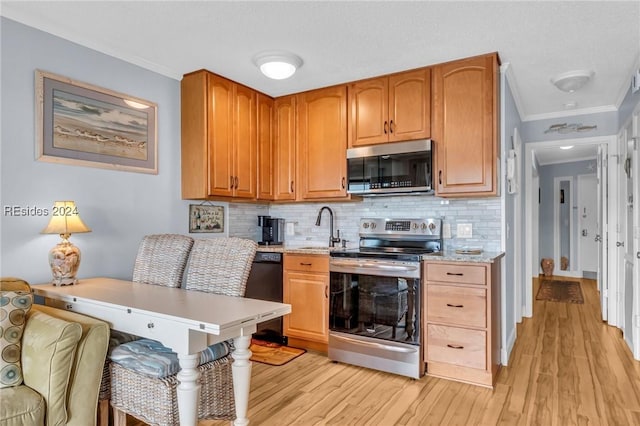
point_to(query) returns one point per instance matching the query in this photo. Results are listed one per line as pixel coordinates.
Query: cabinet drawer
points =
(457, 346)
(307, 263)
(457, 305)
(452, 273)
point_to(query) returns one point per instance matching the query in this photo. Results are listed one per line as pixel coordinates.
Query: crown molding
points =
(571, 113)
(507, 70)
(572, 160)
(41, 24)
(625, 87)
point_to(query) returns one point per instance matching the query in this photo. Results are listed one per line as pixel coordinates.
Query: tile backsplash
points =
(483, 214)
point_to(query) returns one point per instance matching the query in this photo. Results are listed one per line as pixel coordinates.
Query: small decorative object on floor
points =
(273, 353)
(547, 266)
(564, 263)
(64, 258)
(560, 291)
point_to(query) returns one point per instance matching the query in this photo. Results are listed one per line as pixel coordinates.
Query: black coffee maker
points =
(271, 230)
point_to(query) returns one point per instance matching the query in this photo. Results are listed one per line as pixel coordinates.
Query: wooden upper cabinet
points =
(410, 105)
(322, 143)
(390, 109)
(265, 148)
(245, 145)
(465, 117)
(284, 148)
(219, 137)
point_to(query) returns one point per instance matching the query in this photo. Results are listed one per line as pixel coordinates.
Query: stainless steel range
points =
(374, 305)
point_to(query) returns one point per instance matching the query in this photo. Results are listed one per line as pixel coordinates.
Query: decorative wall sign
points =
(206, 218)
(81, 124)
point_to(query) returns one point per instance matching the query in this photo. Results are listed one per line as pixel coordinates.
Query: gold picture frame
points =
(81, 124)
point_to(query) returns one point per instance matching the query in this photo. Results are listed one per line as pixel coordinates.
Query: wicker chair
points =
(217, 265)
(161, 260)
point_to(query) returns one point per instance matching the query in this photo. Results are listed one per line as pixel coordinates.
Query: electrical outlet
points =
(464, 230)
(446, 230)
(290, 229)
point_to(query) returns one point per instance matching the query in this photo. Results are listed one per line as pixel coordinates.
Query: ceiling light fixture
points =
(277, 65)
(566, 147)
(572, 80)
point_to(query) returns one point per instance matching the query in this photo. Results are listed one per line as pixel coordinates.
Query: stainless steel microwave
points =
(392, 168)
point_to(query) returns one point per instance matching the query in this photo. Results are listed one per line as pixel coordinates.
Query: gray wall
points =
(534, 131)
(120, 207)
(547, 175)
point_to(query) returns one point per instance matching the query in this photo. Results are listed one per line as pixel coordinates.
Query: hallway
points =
(569, 367)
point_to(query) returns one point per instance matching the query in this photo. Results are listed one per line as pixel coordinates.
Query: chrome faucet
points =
(332, 240)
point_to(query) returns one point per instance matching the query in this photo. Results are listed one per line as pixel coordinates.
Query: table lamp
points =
(64, 258)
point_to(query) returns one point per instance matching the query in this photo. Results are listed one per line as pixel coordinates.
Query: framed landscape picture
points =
(81, 124)
(206, 218)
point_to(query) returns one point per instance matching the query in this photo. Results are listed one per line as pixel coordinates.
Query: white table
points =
(186, 321)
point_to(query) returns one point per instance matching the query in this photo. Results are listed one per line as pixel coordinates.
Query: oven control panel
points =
(380, 226)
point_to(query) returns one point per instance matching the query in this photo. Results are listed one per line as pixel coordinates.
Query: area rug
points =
(560, 291)
(273, 353)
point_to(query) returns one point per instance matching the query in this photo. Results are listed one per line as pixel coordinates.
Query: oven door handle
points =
(380, 266)
(376, 345)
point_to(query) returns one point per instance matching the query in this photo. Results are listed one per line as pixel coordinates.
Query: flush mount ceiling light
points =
(566, 147)
(277, 65)
(572, 80)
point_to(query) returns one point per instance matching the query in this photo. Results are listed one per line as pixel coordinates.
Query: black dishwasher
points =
(265, 283)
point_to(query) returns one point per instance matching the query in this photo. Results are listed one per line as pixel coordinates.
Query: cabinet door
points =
(265, 148)
(410, 105)
(465, 126)
(368, 120)
(308, 295)
(245, 137)
(322, 143)
(194, 144)
(284, 165)
(220, 135)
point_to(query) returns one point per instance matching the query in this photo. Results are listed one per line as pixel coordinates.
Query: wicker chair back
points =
(220, 265)
(161, 259)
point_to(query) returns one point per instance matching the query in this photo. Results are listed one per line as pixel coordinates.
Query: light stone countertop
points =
(452, 256)
(446, 256)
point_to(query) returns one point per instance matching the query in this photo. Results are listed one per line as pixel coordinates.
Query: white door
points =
(622, 240)
(587, 224)
(632, 247)
(602, 174)
(635, 253)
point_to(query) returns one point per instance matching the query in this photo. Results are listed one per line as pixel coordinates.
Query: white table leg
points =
(188, 390)
(241, 368)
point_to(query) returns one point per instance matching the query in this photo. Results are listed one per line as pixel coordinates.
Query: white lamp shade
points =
(65, 219)
(278, 65)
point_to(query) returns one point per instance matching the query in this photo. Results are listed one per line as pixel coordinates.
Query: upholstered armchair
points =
(61, 357)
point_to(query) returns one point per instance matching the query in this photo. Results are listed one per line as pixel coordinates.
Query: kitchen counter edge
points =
(446, 256)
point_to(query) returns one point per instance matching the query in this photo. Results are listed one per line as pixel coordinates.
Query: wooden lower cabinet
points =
(462, 321)
(306, 289)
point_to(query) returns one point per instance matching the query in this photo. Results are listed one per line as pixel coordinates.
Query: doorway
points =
(534, 175)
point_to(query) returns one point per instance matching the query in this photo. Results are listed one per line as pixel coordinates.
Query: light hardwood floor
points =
(567, 368)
